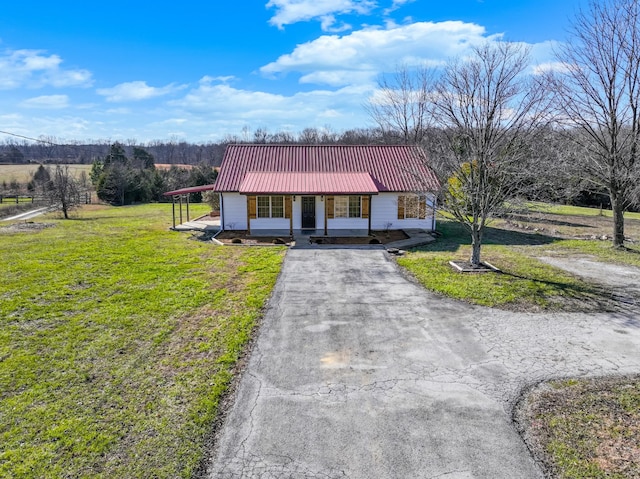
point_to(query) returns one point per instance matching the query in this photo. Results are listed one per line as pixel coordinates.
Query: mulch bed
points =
(466, 267)
(242, 237)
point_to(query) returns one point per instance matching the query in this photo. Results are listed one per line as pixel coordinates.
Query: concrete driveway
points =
(359, 372)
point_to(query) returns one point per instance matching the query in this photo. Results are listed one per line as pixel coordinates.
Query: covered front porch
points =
(325, 204)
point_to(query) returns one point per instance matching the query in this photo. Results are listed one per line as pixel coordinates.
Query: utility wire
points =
(29, 138)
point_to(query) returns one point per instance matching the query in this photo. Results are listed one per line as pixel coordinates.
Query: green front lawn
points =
(524, 283)
(117, 339)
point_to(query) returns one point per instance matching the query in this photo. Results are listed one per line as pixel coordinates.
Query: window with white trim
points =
(270, 207)
(347, 207)
(412, 207)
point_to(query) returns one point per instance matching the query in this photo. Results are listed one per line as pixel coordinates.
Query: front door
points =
(308, 212)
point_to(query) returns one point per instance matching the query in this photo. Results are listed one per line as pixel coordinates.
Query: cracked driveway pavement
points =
(359, 372)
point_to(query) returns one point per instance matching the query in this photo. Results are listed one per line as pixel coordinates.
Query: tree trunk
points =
(476, 243)
(618, 220)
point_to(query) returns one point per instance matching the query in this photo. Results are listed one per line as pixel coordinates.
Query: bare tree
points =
(599, 97)
(63, 191)
(400, 107)
(489, 110)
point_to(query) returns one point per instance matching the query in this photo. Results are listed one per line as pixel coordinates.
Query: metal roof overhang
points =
(192, 189)
(310, 183)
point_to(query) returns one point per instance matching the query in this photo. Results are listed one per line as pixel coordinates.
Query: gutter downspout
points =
(221, 201)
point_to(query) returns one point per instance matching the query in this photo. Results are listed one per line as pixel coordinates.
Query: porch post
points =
(187, 197)
(180, 197)
(249, 217)
(173, 210)
(326, 209)
(369, 215)
(221, 211)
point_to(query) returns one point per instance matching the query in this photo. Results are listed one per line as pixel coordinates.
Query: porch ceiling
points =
(310, 183)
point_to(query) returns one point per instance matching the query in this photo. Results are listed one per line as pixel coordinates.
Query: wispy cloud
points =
(136, 91)
(223, 103)
(293, 11)
(47, 102)
(36, 68)
(396, 5)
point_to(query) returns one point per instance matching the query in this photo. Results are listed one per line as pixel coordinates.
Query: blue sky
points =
(198, 71)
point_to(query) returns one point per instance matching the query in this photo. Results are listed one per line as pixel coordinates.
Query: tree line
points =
(120, 179)
(52, 150)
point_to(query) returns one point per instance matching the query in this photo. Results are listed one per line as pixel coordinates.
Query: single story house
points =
(325, 188)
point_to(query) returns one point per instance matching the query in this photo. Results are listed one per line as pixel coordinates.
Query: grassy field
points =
(118, 338)
(568, 210)
(23, 173)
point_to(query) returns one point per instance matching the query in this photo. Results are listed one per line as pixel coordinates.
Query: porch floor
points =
(199, 224)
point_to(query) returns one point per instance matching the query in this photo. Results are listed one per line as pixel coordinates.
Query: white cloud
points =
(341, 60)
(135, 91)
(396, 5)
(52, 102)
(35, 68)
(293, 11)
(234, 107)
(550, 67)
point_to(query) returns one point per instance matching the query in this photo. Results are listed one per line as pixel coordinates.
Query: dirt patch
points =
(28, 226)
(467, 267)
(590, 426)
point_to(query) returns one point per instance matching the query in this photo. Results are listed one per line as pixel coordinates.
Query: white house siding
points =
(270, 224)
(234, 211)
(384, 214)
(347, 224)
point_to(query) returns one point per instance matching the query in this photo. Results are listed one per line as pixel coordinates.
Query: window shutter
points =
(287, 207)
(329, 200)
(251, 204)
(400, 207)
(365, 206)
(422, 207)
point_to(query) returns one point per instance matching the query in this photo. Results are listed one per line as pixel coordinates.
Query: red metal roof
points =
(274, 182)
(391, 168)
(192, 189)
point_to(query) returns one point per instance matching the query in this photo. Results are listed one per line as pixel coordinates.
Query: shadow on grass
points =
(453, 235)
(567, 295)
(628, 249)
(584, 296)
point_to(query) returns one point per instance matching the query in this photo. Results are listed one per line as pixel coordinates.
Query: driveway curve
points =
(359, 372)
